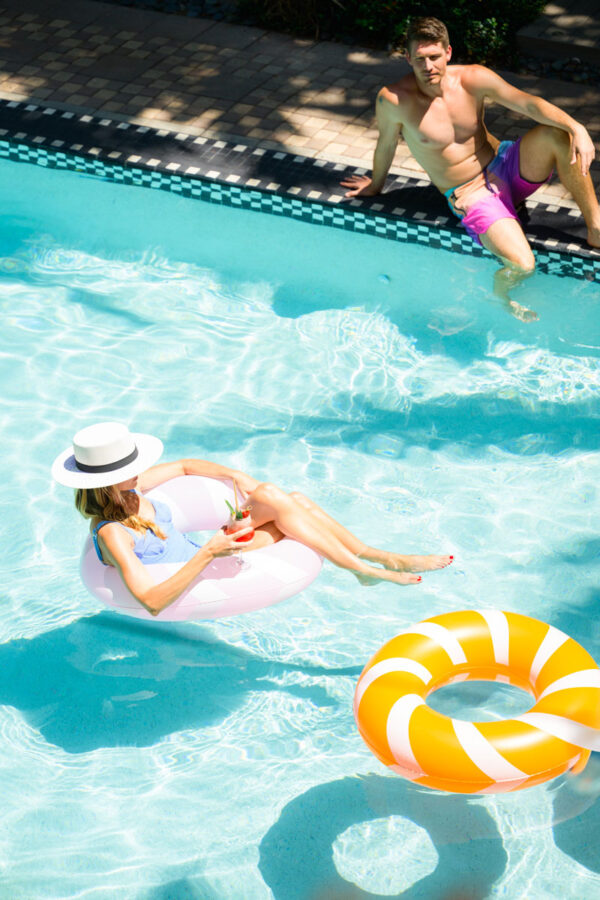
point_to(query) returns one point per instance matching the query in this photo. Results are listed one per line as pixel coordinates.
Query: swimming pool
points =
(220, 759)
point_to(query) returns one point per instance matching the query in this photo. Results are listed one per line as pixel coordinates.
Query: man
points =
(439, 110)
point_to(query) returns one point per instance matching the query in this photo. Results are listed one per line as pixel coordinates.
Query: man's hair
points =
(426, 29)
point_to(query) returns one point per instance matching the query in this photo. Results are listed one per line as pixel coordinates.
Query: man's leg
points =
(545, 148)
(506, 240)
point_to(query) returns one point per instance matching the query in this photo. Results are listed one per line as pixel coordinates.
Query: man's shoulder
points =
(473, 75)
(400, 92)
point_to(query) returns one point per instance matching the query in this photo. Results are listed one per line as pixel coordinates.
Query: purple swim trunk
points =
(494, 194)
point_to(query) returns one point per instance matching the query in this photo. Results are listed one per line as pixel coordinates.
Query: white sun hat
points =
(103, 454)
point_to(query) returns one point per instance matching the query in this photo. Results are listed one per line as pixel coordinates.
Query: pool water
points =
(220, 760)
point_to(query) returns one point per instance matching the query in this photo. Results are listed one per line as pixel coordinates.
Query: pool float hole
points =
(476, 700)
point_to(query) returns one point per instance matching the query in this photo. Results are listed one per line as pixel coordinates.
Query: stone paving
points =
(571, 27)
(226, 81)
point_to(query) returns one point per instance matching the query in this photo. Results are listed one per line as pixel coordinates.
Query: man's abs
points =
(454, 164)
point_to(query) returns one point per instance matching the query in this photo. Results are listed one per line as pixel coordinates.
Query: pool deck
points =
(238, 85)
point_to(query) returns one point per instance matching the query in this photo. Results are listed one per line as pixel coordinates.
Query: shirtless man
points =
(439, 110)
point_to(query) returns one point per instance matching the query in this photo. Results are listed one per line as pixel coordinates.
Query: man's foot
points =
(593, 237)
(521, 312)
(504, 281)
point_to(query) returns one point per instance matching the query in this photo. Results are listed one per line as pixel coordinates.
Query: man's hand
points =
(582, 146)
(360, 186)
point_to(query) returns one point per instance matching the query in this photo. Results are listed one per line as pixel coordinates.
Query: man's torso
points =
(445, 134)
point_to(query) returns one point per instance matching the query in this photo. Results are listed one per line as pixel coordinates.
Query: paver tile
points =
(319, 97)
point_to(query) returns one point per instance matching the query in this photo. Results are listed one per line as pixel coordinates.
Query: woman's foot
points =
(387, 575)
(399, 562)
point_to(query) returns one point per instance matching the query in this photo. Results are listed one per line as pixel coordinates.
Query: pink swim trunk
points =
(494, 194)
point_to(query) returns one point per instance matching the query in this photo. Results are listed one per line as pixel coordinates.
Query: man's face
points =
(429, 61)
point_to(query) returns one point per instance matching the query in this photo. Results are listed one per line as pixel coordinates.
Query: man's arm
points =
(389, 125)
(485, 83)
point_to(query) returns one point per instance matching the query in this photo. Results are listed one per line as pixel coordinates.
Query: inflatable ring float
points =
(223, 588)
(415, 741)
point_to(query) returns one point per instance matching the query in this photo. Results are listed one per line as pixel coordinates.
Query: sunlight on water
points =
(220, 759)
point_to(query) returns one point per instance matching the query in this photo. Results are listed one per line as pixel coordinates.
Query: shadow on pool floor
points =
(109, 681)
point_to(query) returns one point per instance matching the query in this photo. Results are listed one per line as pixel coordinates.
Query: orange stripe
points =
(375, 707)
(570, 657)
(578, 704)
(437, 750)
(471, 630)
(526, 636)
(456, 787)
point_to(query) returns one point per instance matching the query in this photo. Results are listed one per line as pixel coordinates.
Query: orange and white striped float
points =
(448, 754)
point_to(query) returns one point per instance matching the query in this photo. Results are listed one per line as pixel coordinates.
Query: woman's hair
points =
(115, 506)
(426, 28)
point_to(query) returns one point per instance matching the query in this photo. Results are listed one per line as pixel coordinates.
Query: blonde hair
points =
(115, 506)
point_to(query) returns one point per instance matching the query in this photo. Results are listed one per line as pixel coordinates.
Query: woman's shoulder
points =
(105, 526)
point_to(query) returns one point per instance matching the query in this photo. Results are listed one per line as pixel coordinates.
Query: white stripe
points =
(397, 731)
(553, 639)
(565, 729)
(384, 667)
(498, 626)
(585, 678)
(481, 752)
(441, 636)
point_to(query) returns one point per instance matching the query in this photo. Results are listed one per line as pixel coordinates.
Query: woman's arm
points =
(117, 548)
(165, 471)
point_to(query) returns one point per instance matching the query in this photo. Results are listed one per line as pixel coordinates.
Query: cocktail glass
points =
(238, 524)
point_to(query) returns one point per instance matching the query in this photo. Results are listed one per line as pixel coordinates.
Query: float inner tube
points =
(450, 754)
(271, 574)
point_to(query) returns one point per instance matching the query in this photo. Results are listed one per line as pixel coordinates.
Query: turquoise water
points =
(220, 760)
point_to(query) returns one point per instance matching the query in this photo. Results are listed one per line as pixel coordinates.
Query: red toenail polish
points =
(451, 557)
(419, 578)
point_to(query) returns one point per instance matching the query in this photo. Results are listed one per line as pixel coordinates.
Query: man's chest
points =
(443, 121)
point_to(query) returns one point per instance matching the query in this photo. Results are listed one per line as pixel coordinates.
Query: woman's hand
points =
(221, 544)
(245, 483)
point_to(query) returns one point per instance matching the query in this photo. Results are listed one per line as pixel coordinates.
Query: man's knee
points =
(506, 240)
(522, 261)
(558, 138)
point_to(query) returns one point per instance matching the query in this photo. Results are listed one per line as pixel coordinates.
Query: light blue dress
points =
(149, 549)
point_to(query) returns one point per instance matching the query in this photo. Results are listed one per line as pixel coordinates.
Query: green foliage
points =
(476, 36)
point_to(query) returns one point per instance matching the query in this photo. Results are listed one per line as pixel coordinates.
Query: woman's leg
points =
(397, 561)
(270, 504)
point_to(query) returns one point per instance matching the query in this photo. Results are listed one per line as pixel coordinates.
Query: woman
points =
(111, 470)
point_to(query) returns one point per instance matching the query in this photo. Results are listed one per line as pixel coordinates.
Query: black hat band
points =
(109, 467)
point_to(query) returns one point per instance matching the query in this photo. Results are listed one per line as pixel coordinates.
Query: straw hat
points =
(104, 454)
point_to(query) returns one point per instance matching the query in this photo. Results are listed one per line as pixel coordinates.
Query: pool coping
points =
(271, 181)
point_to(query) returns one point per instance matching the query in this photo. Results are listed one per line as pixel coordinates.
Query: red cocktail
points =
(237, 522)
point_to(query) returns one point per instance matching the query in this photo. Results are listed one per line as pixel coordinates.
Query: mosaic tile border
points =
(268, 181)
